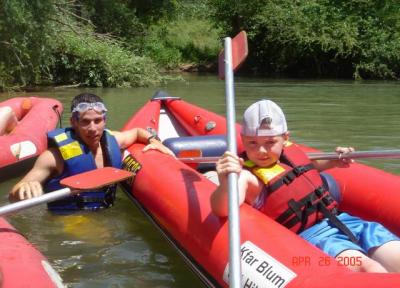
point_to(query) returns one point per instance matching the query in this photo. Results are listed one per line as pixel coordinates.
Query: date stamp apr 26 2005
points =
(304, 260)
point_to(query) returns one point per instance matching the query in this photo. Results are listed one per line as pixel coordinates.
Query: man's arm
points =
(48, 164)
(127, 138)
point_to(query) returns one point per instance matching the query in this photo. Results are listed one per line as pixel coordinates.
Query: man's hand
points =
(157, 145)
(26, 190)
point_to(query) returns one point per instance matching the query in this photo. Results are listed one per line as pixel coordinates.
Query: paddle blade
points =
(95, 179)
(239, 54)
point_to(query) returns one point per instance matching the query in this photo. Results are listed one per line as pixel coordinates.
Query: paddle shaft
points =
(28, 203)
(233, 191)
(384, 154)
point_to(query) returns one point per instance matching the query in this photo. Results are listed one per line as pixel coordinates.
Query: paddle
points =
(239, 51)
(195, 156)
(91, 180)
(235, 52)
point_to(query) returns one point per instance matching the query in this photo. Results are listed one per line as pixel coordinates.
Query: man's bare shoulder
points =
(119, 136)
(51, 159)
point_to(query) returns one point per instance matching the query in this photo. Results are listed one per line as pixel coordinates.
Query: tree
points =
(25, 40)
(355, 38)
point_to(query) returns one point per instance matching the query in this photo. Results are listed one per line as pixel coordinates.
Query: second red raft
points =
(177, 199)
(34, 118)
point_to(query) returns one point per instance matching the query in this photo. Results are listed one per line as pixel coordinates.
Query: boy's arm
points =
(322, 165)
(219, 199)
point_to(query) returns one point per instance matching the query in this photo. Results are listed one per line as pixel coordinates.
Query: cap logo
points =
(266, 123)
(263, 118)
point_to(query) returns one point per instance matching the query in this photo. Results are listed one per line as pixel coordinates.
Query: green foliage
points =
(117, 18)
(100, 42)
(96, 61)
(127, 42)
(169, 32)
(165, 55)
(50, 42)
(151, 11)
(195, 39)
(182, 41)
(24, 45)
(4, 77)
(337, 38)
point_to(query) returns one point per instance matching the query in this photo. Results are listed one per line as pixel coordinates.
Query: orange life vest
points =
(294, 194)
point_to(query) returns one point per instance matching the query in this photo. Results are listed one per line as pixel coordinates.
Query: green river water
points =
(119, 247)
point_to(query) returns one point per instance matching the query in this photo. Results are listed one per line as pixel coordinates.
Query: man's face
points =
(264, 151)
(89, 126)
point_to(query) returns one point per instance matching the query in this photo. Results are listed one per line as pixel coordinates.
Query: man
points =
(85, 146)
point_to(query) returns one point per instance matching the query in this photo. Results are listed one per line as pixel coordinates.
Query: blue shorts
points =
(332, 241)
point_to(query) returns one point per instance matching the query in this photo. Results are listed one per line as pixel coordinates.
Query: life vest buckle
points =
(295, 206)
(80, 203)
(109, 196)
(326, 200)
(319, 191)
(299, 170)
(288, 178)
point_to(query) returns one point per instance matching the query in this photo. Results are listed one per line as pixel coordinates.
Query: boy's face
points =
(264, 151)
(89, 126)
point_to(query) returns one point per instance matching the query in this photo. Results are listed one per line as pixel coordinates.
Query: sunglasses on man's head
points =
(84, 106)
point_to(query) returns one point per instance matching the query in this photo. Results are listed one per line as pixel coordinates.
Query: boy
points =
(277, 178)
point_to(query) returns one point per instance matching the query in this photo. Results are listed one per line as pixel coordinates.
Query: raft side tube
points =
(209, 145)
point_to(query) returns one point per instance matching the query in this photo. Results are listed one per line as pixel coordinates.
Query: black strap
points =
(339, 224)
(302, 209)
(295, 207)
(109, 196)
(290, 176)
(55, 109)
(81, 200)
(308, 210)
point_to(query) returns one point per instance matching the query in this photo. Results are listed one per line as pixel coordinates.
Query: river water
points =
(119, 247)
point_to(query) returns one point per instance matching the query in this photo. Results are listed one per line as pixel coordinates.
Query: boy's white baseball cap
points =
(264, 118)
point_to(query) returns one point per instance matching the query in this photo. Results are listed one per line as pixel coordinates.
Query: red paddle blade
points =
(95, 179)
(239, 54)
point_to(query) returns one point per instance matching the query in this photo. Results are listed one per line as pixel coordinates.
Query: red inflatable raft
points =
(177, 199)
(21, 264)
(24, 122)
